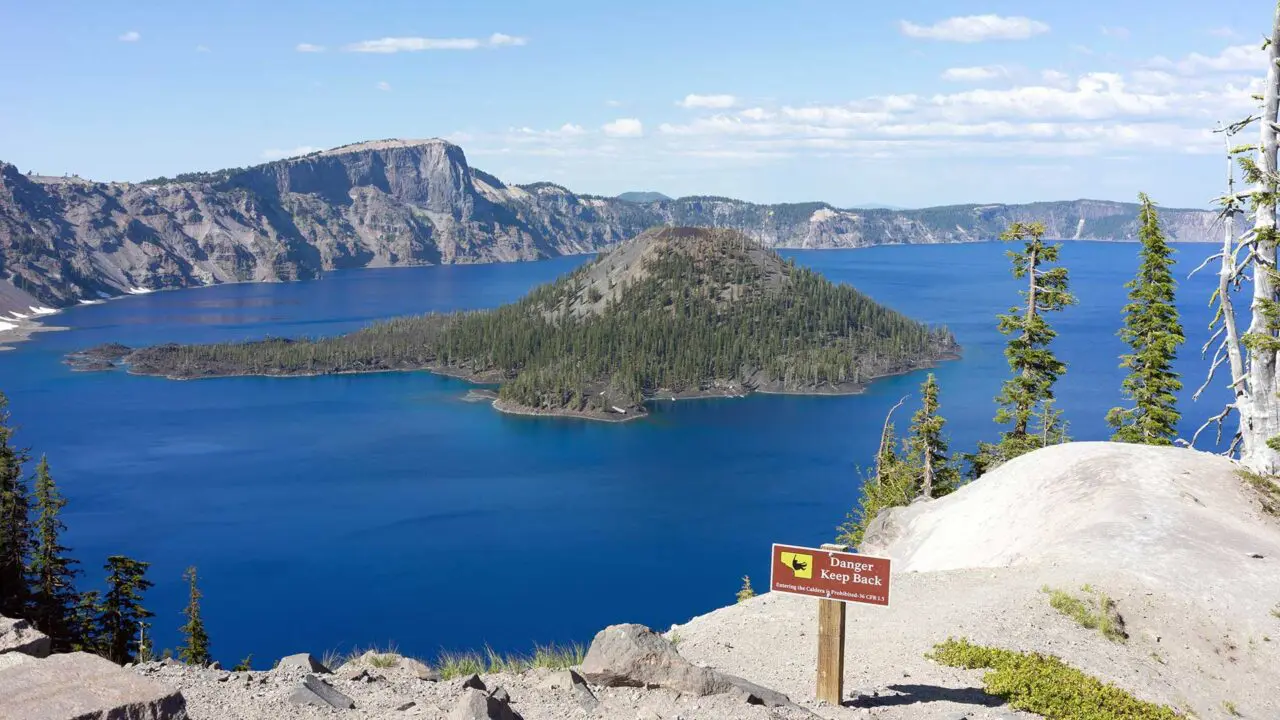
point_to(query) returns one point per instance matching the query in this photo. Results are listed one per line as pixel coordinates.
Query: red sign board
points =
(830, 574)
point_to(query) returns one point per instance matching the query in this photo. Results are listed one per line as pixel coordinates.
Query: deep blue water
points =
(341, 511)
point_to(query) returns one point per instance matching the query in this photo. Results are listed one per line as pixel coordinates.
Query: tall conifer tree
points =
(54, 597)
(121, 614)
(927, 448)
(1152, 329)
(15, 522)
(1025, 398)
(195, 648)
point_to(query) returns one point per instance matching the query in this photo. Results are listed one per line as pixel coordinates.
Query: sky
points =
(909, 104)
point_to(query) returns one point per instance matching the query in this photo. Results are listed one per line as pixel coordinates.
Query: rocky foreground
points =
(1180, 543)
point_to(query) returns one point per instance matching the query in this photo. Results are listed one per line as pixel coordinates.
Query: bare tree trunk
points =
(1024, 415)
(927, 490)
(1262, 420)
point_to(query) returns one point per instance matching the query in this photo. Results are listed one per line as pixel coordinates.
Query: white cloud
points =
(975, 74)
(976, 28)
(1237, 58)
(1056, 78)
(202, 48)
(418, 44)
(717, 102)
(500, 40)
(613, 103)
(623, 127)
(308, 48)
(131, 36)
(567, 130)
(274, 154)
(1120, 33)
(384, 86)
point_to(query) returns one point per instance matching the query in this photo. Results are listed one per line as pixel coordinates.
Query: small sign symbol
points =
(801, 565)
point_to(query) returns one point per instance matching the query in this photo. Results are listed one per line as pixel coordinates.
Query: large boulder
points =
(477, 705)
(80, 686)
(302, 661)
(634, 655)
(316, 692)
(21, 636)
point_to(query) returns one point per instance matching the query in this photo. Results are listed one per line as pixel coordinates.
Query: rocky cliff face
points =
(402, 202)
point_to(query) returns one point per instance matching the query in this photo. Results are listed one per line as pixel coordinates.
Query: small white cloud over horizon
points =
(975, 74)
(202, 48)
(1236, 58)
(308, 48)
(131, 36)
(613, 103)
(715, 102)
(274, 154)
(623, 128)
(384, 86)
(502, 39)
(419, 44)
(976, 28)
(1120, 33)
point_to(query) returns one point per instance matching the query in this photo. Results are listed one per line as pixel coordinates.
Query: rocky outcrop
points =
(20, 636)
(634, 655)
(406, 202)
(80, 686)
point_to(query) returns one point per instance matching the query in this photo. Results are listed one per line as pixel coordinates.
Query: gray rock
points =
(563, 679)
(420, 669)
(405, 706)
(78, 685)
(314, 691)
(18, 635)
(215, 665)
(585, 697)
(634, 655)
(474, 682)
(475, 705)
(302, 661)
(500, 694)
(8, 660)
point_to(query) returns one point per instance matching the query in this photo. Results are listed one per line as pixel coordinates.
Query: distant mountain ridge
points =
(416, 202)
(643, 197)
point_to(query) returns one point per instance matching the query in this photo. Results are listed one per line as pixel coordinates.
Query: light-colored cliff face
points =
(408, 202)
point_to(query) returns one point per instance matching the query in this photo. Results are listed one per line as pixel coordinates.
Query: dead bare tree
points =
(1252, 356)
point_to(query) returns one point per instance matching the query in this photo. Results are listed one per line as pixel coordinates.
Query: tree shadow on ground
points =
(912, 694)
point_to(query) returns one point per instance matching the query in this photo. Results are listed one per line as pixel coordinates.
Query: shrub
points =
(1098, 611)
(746, 592)
(1046, 686)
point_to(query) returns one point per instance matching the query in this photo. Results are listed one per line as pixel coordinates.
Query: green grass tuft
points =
(1097, 611)
(1266, 488)
(1230, 707)
(453, 664)
(746, 592)
(1046, 686)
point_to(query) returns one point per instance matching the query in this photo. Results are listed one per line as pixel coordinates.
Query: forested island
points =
(674, 312)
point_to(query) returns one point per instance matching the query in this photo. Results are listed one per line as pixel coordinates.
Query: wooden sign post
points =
(835, 577)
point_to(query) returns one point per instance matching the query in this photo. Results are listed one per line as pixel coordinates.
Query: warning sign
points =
(830, 574)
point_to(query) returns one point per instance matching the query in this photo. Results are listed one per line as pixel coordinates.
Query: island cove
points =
(672, 313)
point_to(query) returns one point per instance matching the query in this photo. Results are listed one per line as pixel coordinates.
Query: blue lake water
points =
(344, 511)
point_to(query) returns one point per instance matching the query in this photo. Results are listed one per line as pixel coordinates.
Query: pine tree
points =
(121, 614)
(926, 446)
(85, 624)
(195, 650)
(54, 597)
(15, 522)
(1024, 397)
(1153, 331)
